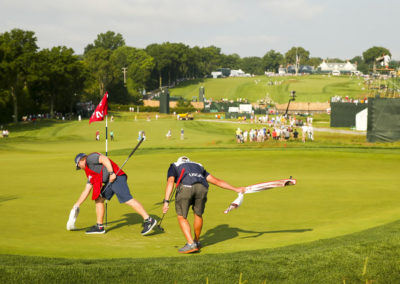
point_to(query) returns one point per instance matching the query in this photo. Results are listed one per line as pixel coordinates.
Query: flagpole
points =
(106, 155)
(98, 115)
(106, 135)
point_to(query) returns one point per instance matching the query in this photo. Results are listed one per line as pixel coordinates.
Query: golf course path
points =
(353, 132)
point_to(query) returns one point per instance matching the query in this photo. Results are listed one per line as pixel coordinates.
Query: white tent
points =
(362, 120)
(245, 108)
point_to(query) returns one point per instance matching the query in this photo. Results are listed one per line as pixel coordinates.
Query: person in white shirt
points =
(304, 129)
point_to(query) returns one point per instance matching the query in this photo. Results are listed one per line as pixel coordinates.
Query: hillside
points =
(313, 88)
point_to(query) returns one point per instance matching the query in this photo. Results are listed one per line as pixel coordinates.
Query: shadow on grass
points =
(129, 219)
(224, 232)
(5, 198)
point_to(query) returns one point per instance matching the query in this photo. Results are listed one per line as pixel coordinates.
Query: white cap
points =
(182, 159)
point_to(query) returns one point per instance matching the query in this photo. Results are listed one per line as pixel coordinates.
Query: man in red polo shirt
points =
(99, 169)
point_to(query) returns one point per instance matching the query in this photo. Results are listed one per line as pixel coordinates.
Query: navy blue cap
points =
(78, 158)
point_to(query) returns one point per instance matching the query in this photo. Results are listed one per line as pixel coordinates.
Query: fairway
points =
(309, 88)
(340, 190)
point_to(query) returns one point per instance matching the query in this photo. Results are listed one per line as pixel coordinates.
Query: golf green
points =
(340, 190)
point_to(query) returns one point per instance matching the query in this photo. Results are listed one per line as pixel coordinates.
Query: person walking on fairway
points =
(99, 169)
(192, 191)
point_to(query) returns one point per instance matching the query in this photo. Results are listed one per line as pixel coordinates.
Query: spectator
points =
(304, 129)
(295, 134)
(169, 134)
(286, 134)
(311, 132)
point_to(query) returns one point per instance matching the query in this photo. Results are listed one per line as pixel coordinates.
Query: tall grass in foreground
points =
(371, 256)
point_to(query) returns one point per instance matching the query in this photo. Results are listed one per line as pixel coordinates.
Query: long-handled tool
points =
(108, 184)
(170, 197)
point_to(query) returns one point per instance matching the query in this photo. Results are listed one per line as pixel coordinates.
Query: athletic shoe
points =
(148, 225)
(96, 229)
(188, 248)
(198, 244)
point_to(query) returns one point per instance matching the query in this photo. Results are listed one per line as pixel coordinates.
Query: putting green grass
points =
(311, 88)
(344, 186)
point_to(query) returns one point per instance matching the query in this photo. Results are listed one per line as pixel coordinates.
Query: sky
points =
(326, 28)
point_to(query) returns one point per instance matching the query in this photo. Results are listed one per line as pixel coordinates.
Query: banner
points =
(100, 111)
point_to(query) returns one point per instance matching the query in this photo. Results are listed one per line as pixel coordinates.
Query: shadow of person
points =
(129, 219)
(5, 198)
(224, 232)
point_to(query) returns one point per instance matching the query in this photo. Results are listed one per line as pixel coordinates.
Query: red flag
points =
(100, 111)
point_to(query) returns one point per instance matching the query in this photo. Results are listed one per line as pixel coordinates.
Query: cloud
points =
(299, 9)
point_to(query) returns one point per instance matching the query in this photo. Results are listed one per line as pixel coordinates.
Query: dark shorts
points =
(120, 188)
(191, 195)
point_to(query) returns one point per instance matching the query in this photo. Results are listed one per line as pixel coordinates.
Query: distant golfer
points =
(192, 191)
(99, 169)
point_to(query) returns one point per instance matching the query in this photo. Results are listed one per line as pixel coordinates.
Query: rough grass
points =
(370, 256)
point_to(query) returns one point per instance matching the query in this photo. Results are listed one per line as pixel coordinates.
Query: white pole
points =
(106, 136)
(106, 155)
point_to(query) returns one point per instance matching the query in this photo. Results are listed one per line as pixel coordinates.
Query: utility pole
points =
(124, 70)
(297, 62)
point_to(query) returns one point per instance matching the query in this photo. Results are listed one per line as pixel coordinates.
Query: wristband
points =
(111, 173)
(165, 200)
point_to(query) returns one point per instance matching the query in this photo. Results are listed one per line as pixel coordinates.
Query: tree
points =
(252, 65)
(101, 69)
(17, 52)
(109, 40)
(232, 61)
(314, 61)
(162, 59)
(297, 52)
(272, 60)
(139, 66)
(372, 53)
(210, 59)
(361, 65)
(58, 78)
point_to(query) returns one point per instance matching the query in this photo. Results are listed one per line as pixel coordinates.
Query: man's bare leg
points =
(185, 227)
(198, 225)
(100, 210)
(138, 208)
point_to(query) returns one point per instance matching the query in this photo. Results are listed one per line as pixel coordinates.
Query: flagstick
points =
(106, 155)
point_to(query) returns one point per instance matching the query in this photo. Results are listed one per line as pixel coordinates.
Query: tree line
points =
(54, 79)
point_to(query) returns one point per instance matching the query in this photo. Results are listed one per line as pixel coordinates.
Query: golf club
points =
(170, 197)
(108, 184)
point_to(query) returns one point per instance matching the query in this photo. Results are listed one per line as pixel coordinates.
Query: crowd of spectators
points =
(277, 128)
(57, 115)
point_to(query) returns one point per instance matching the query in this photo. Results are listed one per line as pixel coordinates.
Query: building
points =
(343, 68)
(239, 73)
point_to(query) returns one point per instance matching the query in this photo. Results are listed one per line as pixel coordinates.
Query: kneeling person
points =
(99, 169)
